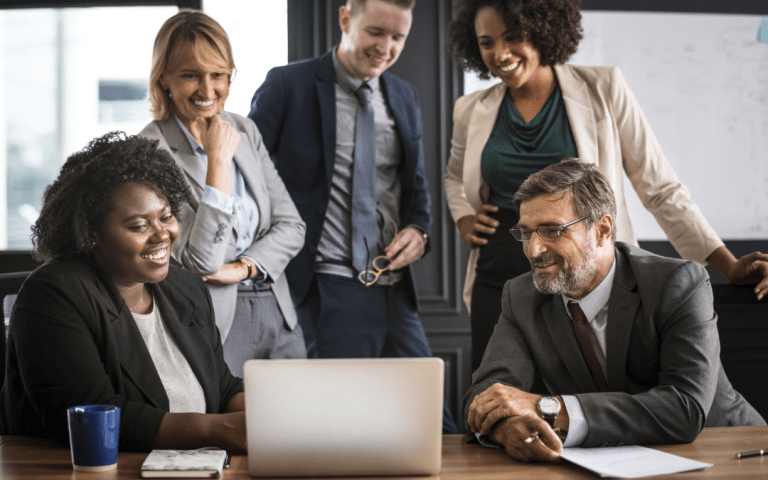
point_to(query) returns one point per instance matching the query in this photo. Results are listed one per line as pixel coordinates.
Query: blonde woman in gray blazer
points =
(241, 228)
(602, 123)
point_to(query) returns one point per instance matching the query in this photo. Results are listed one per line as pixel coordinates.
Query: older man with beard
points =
(622, 343)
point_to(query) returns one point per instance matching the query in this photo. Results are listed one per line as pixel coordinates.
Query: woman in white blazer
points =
(241, 228)
(541, 112)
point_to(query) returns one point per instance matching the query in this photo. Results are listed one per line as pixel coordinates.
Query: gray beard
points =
(569, 280)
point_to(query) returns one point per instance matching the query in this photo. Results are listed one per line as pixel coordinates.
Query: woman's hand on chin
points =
(218, 138)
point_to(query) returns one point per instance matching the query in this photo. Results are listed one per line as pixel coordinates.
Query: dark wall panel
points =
(741, 323)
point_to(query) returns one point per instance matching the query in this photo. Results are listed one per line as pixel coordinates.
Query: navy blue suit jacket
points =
(295, 111)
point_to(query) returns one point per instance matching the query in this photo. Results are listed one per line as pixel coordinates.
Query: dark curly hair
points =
(79, 199)
(552, 26)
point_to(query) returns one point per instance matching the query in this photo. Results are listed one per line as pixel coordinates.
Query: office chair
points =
(10, 284)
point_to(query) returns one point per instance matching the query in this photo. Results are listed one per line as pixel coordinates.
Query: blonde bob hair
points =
(209, 41)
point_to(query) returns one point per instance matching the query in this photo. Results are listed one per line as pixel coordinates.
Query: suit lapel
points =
(136, 361)
(404, 129)
(580, 113)
(192, 165)
(560, 328)
(622, 310)
(394, 100)
(177, 314)
(326, 97)
(134, 356)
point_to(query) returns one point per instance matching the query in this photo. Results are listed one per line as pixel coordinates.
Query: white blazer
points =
(208, 235)
(611, 131)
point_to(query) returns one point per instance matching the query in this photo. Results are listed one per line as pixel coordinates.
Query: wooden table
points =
(31, 458)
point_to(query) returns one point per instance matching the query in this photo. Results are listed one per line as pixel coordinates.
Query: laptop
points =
(349, 417)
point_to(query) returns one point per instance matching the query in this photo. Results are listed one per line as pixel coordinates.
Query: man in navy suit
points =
(306, 113)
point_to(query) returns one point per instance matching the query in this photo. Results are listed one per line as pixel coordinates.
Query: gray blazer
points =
(208, 235)
(665, 378)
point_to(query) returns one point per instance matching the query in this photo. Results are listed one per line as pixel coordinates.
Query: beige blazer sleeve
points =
(610, 130)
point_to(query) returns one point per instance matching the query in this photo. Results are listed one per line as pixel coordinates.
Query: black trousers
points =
(500, 260)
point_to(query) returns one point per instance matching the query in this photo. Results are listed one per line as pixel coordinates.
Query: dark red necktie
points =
(583, 336)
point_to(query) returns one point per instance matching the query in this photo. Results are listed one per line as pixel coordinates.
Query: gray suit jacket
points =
(208, 235)
(665, 378)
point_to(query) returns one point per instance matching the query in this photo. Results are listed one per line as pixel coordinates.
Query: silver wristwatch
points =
(549, 407)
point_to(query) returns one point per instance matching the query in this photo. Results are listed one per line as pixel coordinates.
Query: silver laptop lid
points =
(344, 417)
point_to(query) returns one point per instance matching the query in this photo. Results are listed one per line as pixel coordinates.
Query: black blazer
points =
(73, 341)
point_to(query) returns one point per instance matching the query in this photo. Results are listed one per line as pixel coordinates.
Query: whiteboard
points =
(702, 82)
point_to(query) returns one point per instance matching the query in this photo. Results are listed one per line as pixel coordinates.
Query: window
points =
(69, 75)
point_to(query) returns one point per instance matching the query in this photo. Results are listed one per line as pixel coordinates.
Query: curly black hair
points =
(79, 199)
(552, 26)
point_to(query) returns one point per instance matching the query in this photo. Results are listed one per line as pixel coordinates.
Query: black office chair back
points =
(10, 284)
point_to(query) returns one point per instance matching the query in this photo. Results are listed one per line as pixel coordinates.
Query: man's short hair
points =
(355, 6)
(592, 194)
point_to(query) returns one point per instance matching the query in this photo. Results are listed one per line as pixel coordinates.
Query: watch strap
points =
(550, 419)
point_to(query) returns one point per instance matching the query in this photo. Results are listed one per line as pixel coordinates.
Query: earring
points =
(169, 93)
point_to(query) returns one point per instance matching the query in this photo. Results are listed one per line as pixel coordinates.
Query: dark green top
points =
(517, 149)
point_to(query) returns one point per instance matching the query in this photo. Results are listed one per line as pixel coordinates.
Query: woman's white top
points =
(181, 385)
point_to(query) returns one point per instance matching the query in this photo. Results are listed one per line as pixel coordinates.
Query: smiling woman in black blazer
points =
(107, 320)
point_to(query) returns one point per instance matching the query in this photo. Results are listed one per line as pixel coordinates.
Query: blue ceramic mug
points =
(94, 433)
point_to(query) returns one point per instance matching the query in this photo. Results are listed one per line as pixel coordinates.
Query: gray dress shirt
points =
(336, 238)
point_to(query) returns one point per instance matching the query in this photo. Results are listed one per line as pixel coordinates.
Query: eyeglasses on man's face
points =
(549, 233)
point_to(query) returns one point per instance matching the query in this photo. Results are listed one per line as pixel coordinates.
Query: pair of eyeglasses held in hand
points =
(379, 265)
(550, 233)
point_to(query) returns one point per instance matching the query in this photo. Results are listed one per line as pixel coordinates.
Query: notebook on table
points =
(344, 417)
(201, 463)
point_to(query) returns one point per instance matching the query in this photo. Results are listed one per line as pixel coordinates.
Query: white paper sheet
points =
(630, 461)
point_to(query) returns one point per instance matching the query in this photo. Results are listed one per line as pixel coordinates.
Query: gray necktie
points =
(364, 227)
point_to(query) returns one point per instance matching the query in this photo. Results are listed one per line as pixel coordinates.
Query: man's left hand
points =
(406, 247)
(497, 403)
(527, 439)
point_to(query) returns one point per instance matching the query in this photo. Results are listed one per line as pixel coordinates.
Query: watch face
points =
(549, 405)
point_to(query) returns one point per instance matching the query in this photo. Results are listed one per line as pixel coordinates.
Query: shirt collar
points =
(196, 147)
(344, 77)
(595, 300)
